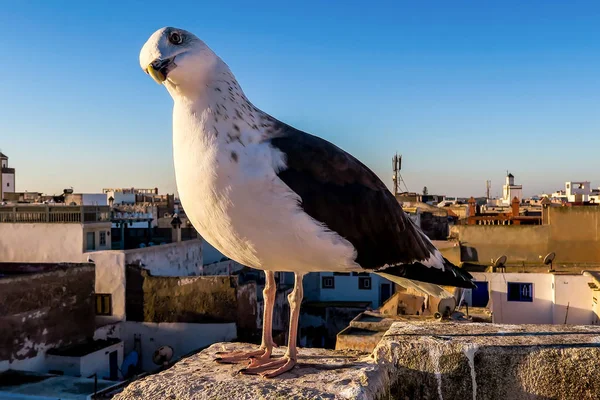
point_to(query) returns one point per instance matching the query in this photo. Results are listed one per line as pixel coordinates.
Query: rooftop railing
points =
(59, 214)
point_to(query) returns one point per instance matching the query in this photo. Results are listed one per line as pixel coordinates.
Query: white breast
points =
(239, 205)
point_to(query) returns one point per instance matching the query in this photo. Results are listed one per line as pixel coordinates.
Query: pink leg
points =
(278, 366)
(266, 347)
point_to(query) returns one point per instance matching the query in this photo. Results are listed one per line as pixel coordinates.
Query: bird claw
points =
(269, 368)
(235, 357)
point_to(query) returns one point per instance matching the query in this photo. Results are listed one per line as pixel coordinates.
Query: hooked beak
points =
(159, 69)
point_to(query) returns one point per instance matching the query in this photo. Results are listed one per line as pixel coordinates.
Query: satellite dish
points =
(500, 262)
(162, 355)
(549, 259)
(129, 364)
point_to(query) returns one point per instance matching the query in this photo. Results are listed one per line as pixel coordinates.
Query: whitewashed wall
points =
(182, 337)
(551, 295)
(173, 259)
(40, 242)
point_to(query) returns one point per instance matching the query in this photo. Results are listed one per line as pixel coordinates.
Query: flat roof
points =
(26, 268)
(18, 384)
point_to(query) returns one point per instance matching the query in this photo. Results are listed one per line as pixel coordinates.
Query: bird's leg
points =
(266, 347)
(275, 367)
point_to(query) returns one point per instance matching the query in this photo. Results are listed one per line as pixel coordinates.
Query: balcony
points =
(60, 214)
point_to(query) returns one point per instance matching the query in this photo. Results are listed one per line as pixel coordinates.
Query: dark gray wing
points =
(342, 193)
(339, 191)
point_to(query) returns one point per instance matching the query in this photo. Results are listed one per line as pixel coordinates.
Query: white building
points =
(575, 192)
(578, 191)
(7, 177)
(536, 298)
(347, 287)
(52, 233)
(510, 190)
(126, 196)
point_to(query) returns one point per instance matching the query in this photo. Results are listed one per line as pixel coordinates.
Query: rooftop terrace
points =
(45, 213)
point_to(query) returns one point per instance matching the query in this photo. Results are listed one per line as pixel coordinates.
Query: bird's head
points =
(178, 59)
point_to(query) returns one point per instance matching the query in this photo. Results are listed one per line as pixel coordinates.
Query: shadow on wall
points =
(468, 253)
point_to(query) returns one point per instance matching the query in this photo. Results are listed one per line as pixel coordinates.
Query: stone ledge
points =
(321, 374)
(491, 361)
(414, 360)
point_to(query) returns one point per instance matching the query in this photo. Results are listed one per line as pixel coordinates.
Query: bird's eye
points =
(175, 38)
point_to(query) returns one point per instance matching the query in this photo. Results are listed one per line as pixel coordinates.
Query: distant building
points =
(7, 177)
(122, 196)
(578, 192)
(575, 192)
(52, 233)
(86, 199)
(510, 190)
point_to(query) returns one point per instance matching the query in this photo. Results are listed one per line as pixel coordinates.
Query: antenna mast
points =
(397, 177)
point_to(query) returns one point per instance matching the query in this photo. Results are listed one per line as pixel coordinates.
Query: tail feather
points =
(428, 278)
(428, 288)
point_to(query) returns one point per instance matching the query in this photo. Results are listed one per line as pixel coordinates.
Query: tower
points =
(7, 177)
(396, 177)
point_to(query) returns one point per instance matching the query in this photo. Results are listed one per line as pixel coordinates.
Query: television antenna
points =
(397, 177)
(500, 263)
(549, 259)
(162, 355)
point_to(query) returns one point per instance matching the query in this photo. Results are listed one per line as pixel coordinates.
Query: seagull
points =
(277, 199)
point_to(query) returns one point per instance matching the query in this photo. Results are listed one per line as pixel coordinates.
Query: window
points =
(103, 304)
(90, 241)
(364, 283)
(341, 273)
(328, 282)
(102, 238)
(518, 291)
(7, 184)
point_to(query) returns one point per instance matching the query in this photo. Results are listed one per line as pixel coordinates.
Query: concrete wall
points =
(40, 311)
(49, 243)
(221, 268)
(176, 259)
(41, 242)
(573, 291)
(215, 299)
(110, 279)
(572, 233)
(182, 337)
(173, 259)
(482, 243)
(552, 294)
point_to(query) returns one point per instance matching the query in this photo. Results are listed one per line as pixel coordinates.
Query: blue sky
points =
(465, 90)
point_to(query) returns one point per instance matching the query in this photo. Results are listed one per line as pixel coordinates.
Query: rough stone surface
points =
(491, 361)
(321, 374)
(45, 309)
(414, 360)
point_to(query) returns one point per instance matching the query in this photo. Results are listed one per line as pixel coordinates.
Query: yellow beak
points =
(156, 75)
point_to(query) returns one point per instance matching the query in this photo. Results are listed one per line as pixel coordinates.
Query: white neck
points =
(220, 111)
